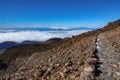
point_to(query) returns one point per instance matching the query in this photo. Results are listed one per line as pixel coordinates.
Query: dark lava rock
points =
(3, 65)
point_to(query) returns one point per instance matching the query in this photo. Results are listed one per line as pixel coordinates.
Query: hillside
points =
(93, 55)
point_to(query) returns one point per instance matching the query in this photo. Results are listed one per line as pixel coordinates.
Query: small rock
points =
(116, 74)
(77, 78)
(72, 77)
(57, 65)
(47, 72)
(88, 69)
(115, 65)
(49, 60)
(80, 68)
(69, 63)
(23, 68)
(66, 70)
(62, 74)
(40, 72)
(52, 67)
(91, 77)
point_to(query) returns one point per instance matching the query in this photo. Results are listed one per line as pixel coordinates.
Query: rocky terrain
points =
(109, 53)
(93, 55)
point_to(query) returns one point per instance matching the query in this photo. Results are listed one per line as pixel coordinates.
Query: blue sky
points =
(58, 13)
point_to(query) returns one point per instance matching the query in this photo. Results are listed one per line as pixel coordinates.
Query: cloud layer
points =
(20, 36)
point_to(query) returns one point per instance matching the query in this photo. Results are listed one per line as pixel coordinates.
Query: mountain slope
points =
(92, 55)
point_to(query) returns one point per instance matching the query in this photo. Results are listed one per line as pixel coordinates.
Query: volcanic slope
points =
(76, 58)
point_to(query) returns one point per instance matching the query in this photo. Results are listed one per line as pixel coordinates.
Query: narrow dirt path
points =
(110, 67)
(97, 56)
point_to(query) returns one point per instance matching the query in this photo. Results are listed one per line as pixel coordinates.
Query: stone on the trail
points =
(116, 74)
(115, 65)
(88, 69)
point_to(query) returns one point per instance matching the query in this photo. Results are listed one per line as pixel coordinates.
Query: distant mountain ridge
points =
(49, 29)
(8, 44)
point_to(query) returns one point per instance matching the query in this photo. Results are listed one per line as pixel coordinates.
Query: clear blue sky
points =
(86, 13)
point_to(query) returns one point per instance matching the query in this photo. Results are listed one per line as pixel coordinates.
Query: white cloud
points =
(20, 36)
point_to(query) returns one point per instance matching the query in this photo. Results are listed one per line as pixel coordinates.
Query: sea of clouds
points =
(34, 35)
